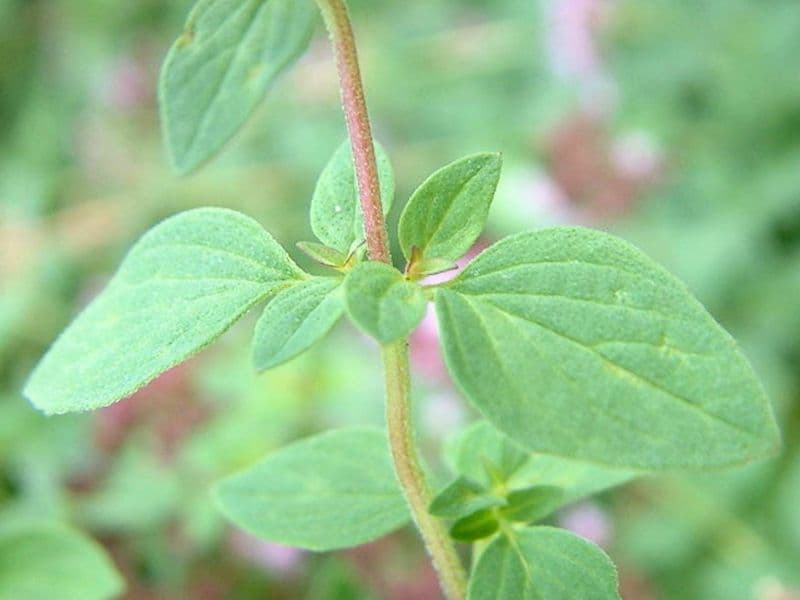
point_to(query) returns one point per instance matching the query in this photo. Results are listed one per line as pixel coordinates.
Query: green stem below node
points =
(411, 475)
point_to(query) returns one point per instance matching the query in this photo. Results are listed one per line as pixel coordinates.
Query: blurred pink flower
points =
(574, 52)
(589, 521)
(268, 555)
(127, 86)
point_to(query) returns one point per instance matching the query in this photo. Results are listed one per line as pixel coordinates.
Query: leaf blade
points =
(295, 319)
(333, 490)
(52, 561)
(607, 356)
(181, 286)
(543, 562)
(447, 213)
(336, 217)
(382, 303)
(220, 68)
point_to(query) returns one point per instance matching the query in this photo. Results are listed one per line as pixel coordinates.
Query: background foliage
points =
(673, 124)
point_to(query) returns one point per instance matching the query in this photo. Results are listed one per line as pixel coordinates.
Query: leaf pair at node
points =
(497, 481)
(499, 491)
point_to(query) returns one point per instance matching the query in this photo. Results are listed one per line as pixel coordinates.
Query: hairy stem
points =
(395, 356)
(355, 113)
(410, 472)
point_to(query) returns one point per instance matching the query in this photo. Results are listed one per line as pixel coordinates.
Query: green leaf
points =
(323, 254)
(481, 445)
(448, 211)
(181, 286)
(51, 561)
(543, 563)
(336, 217)
(461, 498)
(477, 526)
(574, 343)
(382, 303)
(295, 319)
(333, 490)
(532, 504)
(219, 69)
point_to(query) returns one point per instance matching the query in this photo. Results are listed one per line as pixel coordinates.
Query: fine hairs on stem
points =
(405, 455)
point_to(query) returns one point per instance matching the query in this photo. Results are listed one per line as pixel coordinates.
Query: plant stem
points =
(395, 355)
(411, 475)
(358, 127)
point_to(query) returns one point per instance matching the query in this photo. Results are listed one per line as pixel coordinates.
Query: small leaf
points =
(220, 68)
(382, 303)
(336, 217)
(461, 498)
(574, 343)
(482, 444)
(543, 563)
(532, 504)
(295, 319)
(448, 211)
(323, 254)
(181, 286)
(333, 490)
(476, 526)
(53, 561)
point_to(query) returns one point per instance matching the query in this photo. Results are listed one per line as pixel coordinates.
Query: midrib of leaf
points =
(448, 208)
(555, 365)
(220, 84)
(589, 301)
(168, 309)
(479, 272)
(240, 257)
(625, 370)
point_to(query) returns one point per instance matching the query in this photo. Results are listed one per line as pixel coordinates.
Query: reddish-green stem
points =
(406, 458)
(358, 127)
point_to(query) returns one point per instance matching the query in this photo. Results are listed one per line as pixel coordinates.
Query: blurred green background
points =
(673, 123)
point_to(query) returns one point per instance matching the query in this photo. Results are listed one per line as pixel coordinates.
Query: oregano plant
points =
(589, 363)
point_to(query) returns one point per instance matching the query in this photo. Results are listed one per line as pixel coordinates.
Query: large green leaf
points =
(382, 303)
(220, 68)
(574, 343)
(484, 454)
(447, 213)
(333, 490)
(295, 319)
(543, 563)
(51, 561)
(181, 286)
(336, 217)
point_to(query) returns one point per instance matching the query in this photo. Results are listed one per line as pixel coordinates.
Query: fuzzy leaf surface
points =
(543, 563)
(220, 67)
(52, 561)
(329, 491)
(447, 213)
(181, 285)
(382, 303)
(477, 526)
(481, 445)
(462, 497)
(336, 217)
(574, 343)
(532, 504)
(295, 319)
